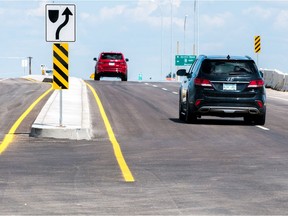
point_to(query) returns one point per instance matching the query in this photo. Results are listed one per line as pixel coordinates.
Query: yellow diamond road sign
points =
(257, 44)
(60, 66)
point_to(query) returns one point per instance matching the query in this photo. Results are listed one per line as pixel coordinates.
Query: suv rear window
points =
(111, 56)
(228, 67)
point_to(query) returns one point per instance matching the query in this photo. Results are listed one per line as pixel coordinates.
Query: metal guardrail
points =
(275, 79)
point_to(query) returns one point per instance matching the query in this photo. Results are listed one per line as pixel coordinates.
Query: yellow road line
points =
(30, 79)
(116, 147)
(9, 137)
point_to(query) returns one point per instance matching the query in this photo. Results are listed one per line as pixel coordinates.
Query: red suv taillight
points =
(123, 64)
(256, 84)
(202, 82)
(259, 103)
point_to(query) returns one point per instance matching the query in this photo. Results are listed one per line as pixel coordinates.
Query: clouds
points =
(258, 12)
(112, 12)
(217, 20)
(1, 11)
(281, 21)
(133, 25)
(153, 13)
(39, 11)
(277, 17)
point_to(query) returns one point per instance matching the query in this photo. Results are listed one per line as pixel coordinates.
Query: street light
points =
(185, 32)
(196, 28)
(161, 66)
(171, 37)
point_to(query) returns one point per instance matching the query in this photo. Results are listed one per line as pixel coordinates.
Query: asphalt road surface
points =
(217, 166)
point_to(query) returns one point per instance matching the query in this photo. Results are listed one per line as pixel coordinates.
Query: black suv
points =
(224, 86)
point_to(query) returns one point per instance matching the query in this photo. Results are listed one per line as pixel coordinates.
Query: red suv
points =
(111, 64)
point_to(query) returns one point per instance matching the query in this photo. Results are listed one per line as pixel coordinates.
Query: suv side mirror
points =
(95, 59)
(181, 72)
(126, 59)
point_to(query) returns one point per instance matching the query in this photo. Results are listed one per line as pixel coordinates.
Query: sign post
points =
(60, 26)
(24, 64)
(257, 46)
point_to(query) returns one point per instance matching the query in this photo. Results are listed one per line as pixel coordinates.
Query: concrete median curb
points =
(76, 114)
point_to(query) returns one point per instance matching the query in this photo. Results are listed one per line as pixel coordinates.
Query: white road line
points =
(263, 128)
(164, 89)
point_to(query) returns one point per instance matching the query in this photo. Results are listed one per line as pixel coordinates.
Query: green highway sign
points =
(184, 60)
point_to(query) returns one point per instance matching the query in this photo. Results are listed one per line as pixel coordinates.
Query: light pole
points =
(161, 58)
(196, 28)
(185, 32)
(171, 37)
(30, 69)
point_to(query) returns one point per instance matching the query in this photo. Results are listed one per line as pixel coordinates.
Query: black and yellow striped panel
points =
(60, 66)
(257, 44)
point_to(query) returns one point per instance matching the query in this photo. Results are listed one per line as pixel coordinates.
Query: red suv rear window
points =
(111, 56)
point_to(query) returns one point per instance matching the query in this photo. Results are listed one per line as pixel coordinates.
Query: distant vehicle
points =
(49, 72)
(222, 86)
(111, 64)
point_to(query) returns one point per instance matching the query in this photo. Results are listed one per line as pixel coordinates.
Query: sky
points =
(142, 31)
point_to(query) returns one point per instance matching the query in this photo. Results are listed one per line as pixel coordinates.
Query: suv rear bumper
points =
(228, 110)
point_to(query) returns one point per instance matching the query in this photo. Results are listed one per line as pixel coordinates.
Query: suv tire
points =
(181, 115)
(260, 119)
(190, 117)
(124, 78)
(256, 120)
(96, 77)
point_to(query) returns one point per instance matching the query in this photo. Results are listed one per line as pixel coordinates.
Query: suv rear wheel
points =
(96, 77)
(181, 115)
(257, 120)
(260, 119)
(190, 117)
(124, 78)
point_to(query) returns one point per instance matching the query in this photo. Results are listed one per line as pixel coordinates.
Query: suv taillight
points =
(256, 84)
(259, 103)
(202, 82)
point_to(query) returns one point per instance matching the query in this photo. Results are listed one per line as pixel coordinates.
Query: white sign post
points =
(24, 64)
(60, 21)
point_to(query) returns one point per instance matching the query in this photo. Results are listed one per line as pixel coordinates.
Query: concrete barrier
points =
(275, 79)
(285, 86)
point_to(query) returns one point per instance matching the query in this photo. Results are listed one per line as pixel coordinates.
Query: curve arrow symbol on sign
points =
(67, 13)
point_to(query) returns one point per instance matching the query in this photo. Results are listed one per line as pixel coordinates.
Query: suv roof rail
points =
(203, 56)
(248, 57)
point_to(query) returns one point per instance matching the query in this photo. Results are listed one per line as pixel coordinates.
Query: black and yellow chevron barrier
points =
(257, 44)
(60, 66)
